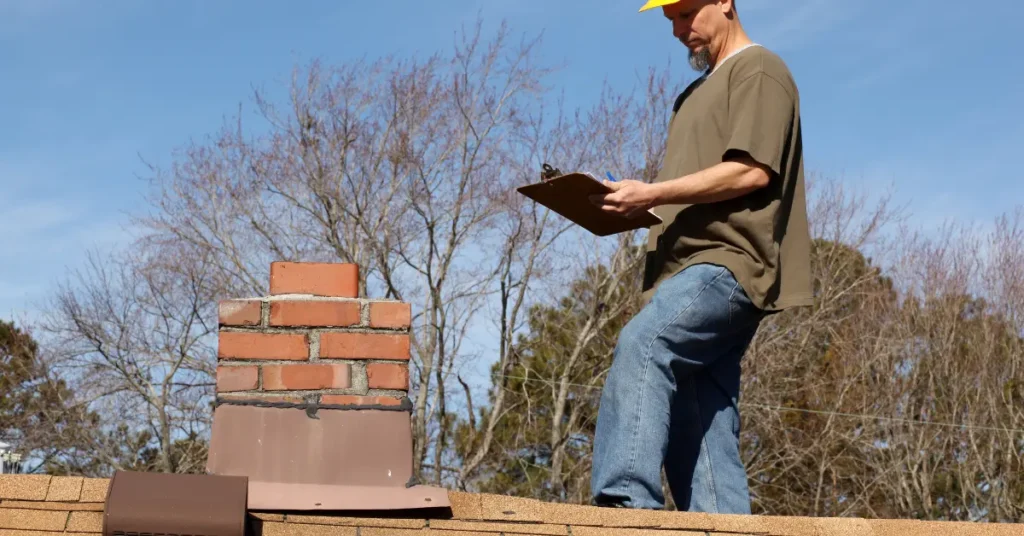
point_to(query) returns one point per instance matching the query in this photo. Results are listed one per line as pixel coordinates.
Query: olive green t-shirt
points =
(749, 103)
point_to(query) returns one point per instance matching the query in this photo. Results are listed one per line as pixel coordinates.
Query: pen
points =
(610, 177)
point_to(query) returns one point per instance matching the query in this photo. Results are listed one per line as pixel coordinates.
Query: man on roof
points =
(733, 247)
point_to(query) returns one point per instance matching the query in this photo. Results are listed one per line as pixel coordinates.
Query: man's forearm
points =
(721, 182)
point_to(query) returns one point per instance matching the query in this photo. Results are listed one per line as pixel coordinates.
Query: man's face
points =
(696, 24)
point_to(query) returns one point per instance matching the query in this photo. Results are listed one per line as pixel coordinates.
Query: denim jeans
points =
(671, 399)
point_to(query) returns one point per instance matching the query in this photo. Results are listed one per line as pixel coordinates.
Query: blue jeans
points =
(671, 398)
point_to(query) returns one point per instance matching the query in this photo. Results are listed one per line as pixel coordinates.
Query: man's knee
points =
(635, 342)
(631, 338)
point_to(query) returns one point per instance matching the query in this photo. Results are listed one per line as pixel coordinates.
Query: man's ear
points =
(728, 8)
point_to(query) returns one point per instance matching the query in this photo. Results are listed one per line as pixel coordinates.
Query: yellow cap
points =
(651, 4)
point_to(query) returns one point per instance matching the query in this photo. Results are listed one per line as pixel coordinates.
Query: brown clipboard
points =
(568, 195)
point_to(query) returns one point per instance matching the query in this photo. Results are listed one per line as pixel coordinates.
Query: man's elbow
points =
(756, 178)
(754, 175)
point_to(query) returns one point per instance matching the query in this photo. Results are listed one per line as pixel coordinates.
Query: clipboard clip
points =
(549, 172)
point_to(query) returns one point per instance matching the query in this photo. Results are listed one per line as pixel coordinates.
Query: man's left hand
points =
(628, 198)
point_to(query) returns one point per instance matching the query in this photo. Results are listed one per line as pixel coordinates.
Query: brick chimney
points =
(311, 338)
(312, 405)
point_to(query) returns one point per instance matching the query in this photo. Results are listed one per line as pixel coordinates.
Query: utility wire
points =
(890, 419)
(783, 409)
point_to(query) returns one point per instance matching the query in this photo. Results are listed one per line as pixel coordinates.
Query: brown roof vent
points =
(168, 504)
(312, 396)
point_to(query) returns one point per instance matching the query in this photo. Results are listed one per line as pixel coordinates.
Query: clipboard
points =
(567, 195)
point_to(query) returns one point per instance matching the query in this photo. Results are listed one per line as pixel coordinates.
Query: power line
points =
(890, 419)
(783, 409)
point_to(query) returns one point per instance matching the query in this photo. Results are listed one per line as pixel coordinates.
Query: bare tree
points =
(407, 169)
(891, 397)
(132, 335)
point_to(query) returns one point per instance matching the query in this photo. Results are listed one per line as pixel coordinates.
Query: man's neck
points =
(735, 40)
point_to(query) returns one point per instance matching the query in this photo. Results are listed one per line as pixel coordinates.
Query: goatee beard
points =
(700, 59)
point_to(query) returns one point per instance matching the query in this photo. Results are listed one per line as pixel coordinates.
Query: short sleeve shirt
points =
(748, 104)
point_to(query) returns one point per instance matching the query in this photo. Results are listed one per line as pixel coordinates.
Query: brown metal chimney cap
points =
(175, 504)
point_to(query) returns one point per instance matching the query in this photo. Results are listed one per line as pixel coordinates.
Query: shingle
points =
(684, 520)
(11, 518)
(94, 489)
(465, 505)
(901, 527)
(40, 505)
(633, 518)
(628, 518)
(65, 488)
(273, 528)
(15, 532)
(837, 526)
(483, 526)
(514, 509)
(357, 521)
(999, 529)
(571, 514)
(791, 526)
(379, 531)
(85, 522)
(25, 487)
(592, 516)
(421, 532)
(505, 508)
(986, 529)
(739, 523)
(613, 531)
(448, 532)
(908, 527)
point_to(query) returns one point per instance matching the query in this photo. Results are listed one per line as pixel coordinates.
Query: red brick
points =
(314, 313)
(238, 345)
(352, 400)
(364, 346)
(318, 279)
(306, 377)
(237, 379)
(240, 312)
(387, 376)
(390, 315)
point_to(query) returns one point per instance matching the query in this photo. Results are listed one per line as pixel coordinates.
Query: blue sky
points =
(921, 94)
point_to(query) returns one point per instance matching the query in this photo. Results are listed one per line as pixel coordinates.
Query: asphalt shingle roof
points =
(36, 505)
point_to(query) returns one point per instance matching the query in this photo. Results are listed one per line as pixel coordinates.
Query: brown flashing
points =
(293, 446)
(329, 497)
(309, 457)
(175, 504)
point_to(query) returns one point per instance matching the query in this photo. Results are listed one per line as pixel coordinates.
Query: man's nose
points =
(680, 29)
